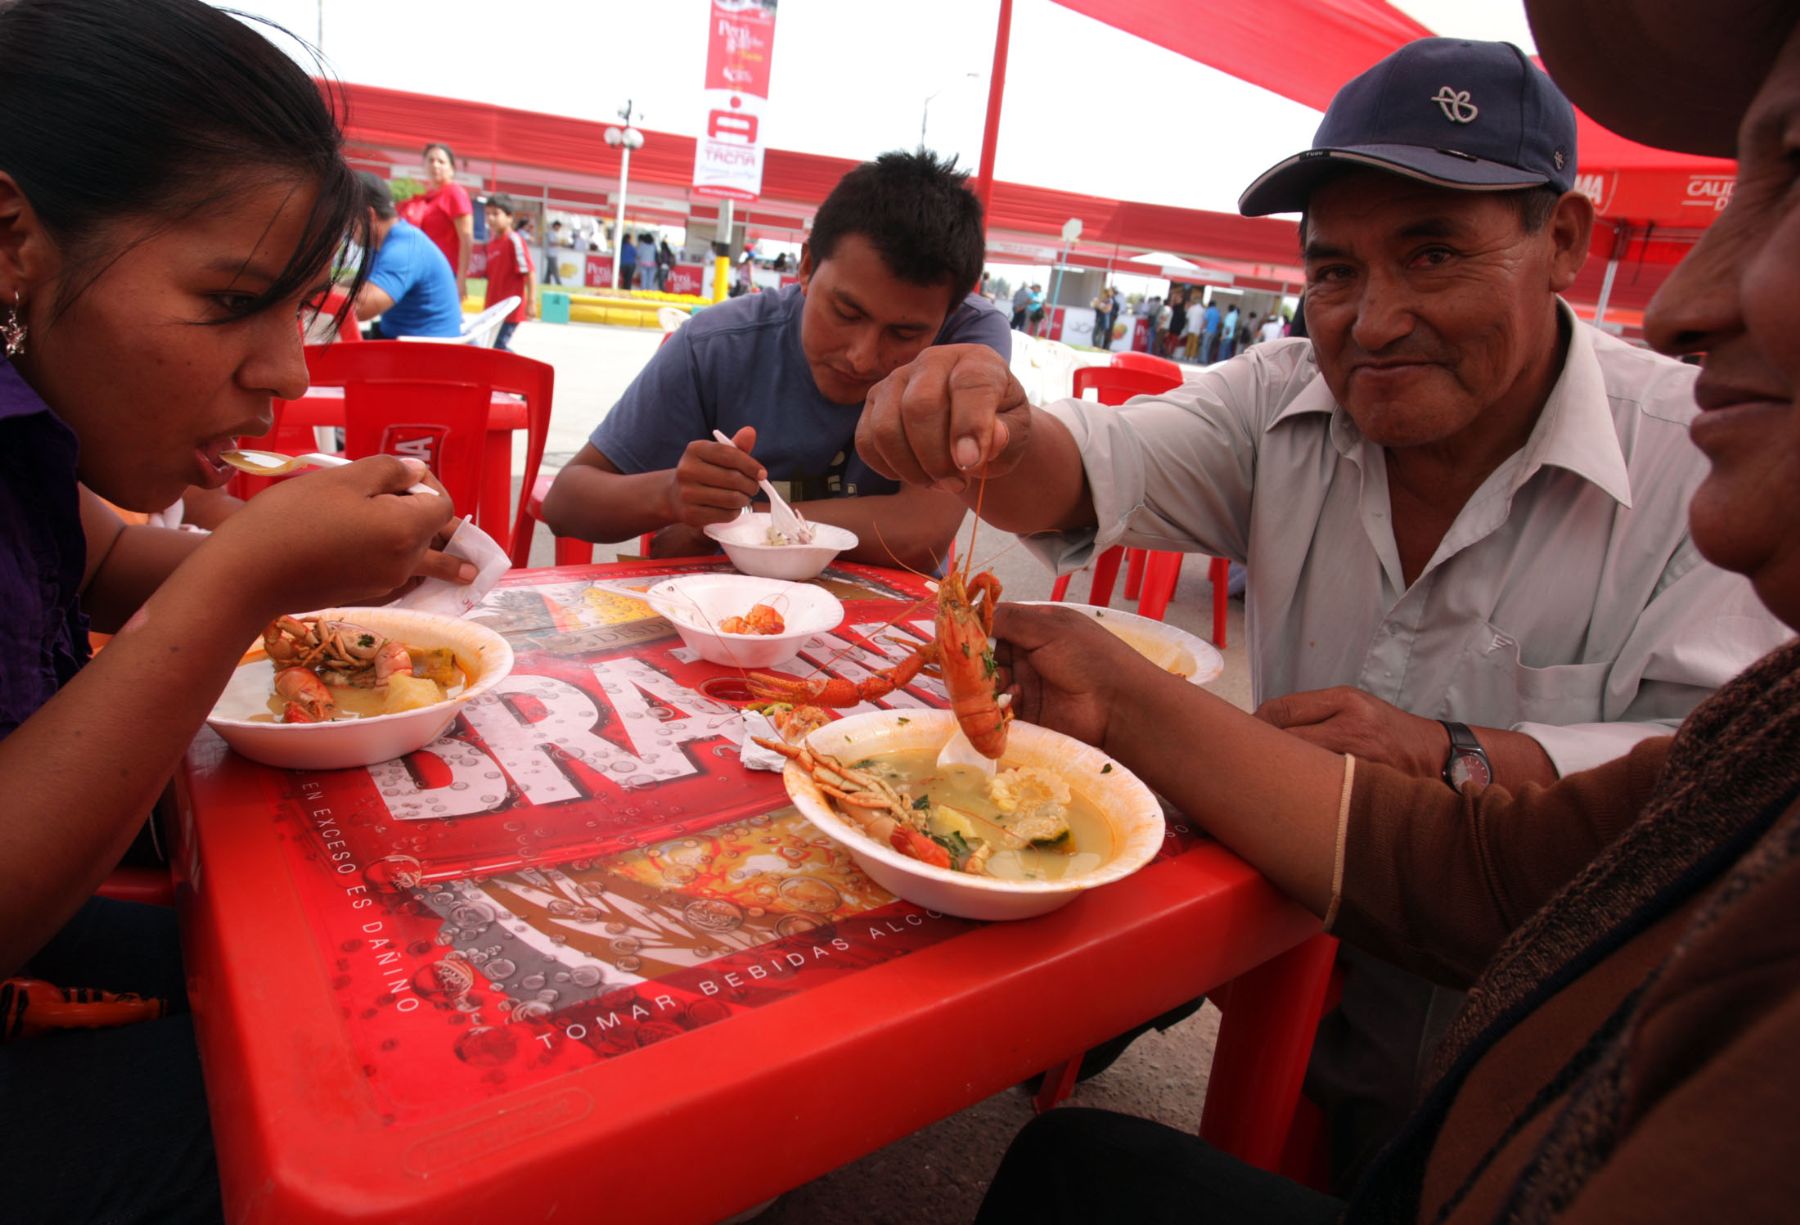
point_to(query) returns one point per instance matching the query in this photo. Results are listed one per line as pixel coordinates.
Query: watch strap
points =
(1463, 742)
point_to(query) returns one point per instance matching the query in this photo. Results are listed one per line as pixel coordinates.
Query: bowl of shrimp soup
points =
(1115, 823)
(357, 730)
(742, 622)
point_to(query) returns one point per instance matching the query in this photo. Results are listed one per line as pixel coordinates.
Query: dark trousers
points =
(109, 1124)
(504, 335)
(1018, 320)
(552, 270)
(1082, 1166)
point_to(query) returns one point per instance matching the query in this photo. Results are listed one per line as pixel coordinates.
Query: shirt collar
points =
(1575, 431)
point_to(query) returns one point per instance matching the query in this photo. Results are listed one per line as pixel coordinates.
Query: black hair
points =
(160, 110)
(438, 144)
(377, 195)
(916, 211)
(1532, 204)
(504, 203)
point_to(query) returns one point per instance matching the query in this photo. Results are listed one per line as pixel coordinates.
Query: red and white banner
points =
(728, 155)
(689, 278)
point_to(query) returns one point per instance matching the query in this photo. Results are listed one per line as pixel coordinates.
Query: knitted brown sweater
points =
(1630, 1049)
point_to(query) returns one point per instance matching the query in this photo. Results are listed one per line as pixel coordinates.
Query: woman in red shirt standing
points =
(445, 214)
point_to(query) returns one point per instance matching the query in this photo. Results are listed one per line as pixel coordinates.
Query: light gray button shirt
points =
(1566, 601)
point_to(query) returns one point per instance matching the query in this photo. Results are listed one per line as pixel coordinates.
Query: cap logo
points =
(1456, 105)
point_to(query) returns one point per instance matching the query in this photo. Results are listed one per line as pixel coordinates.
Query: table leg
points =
(1265, 1040)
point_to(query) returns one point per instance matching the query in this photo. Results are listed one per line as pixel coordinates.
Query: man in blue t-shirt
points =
(1209, 342)
(410, 285)
(895, 251)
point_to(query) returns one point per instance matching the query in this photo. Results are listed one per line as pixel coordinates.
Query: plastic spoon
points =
(274, 463)
(783, 517)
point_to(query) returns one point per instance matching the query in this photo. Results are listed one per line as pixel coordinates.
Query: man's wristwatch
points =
(1468, 761)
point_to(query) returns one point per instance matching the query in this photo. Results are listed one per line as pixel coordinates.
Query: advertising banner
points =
(597, 271)
(689, 278)
(728, 155)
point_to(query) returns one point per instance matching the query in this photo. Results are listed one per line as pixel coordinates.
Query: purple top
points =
(43, 634)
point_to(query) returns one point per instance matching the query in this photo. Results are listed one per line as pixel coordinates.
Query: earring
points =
(12, 331)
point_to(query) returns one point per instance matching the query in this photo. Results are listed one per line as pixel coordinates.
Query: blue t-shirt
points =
(414, 273)
(43, 636)
(1212, 320)
(740, 363)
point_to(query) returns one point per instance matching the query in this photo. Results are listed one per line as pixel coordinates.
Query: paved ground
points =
(937, 1174)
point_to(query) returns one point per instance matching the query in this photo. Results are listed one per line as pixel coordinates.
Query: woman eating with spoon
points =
(172, 188)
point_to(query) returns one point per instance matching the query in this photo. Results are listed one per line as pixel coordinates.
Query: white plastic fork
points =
(783, 517)
(274, 463)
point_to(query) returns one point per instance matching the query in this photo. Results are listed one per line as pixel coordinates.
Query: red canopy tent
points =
(520, 150)
(1652, 202)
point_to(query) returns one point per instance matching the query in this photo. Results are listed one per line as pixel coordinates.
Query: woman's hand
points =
(334, 537)
(1065, 671)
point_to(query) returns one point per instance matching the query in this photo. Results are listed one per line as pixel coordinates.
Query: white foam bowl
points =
(1169, 647)
(1126, 803)
(745, 540)
(698, 603)
(359, 742)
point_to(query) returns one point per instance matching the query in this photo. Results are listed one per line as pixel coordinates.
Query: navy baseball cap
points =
(1476, 116)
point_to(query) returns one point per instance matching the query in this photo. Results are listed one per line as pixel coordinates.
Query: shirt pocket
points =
(1491, 686)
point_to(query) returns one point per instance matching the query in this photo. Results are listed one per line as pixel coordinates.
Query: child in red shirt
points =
(509, 266)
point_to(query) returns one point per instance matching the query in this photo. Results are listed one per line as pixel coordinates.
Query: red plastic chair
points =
(1115, 384)
(146, 886)
(432, 402)
(1150, 576)
(1147, 362)
(570, 550)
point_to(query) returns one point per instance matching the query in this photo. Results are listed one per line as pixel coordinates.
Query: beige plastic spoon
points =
(784, 518)
(274, 463)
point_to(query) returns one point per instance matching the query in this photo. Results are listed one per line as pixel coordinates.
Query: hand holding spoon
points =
(782, 517)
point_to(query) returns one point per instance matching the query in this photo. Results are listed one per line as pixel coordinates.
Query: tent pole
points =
(990, 133)
(1620, 239)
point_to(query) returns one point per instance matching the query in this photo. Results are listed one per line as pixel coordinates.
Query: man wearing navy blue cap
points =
(1463, 510)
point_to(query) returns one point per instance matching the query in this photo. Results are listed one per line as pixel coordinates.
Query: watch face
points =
(1469, 767)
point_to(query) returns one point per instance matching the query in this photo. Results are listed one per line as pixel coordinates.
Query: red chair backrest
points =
(431, 401)
(1115, 385)
(1147, 362)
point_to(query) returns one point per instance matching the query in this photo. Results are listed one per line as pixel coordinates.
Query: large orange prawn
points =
(960, 656)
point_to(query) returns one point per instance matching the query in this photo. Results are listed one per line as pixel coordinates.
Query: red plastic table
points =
(574, 961)
(324, 406)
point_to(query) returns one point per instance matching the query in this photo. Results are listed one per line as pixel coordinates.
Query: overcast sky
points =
(1087, 108)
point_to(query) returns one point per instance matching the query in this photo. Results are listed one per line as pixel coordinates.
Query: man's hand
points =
(1348, 720)
(1064, 671)
(712, 482)
(938, 419)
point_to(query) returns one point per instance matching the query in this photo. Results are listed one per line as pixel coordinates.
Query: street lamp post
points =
(925, 113)
(623, 139)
